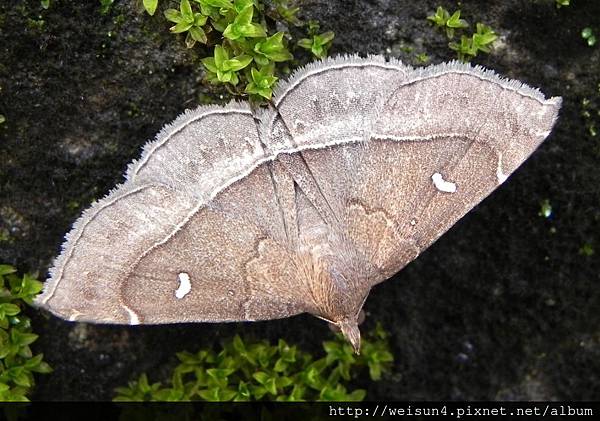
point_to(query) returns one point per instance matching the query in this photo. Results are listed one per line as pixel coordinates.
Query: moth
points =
(241, 214)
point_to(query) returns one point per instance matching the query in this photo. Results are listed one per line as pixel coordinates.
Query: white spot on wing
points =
(543, 135)
(133, 317)
(499, 174)
(184, 285)
(443, 185)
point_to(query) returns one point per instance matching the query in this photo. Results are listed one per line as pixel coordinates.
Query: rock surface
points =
(504, 306)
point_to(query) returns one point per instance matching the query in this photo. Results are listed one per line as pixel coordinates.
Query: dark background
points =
(504, 306)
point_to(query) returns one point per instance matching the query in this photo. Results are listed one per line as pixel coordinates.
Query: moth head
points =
(349, 324)
(349, 328)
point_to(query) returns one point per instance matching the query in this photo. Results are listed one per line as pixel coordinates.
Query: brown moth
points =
(236, 214)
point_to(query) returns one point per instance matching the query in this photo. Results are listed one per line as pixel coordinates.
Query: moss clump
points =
(248, 54)
(17, 362)
(247, 371)
(469, 45)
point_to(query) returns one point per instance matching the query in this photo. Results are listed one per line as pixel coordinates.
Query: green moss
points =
(449, 22)
(246, 371)
(422, 58)
(588, 35)
(545, 209)
(17, 362)
(469, 45)
(590, 112)
(586, 250)
(5, 236)
(105, 6)
(317, 44)
(244, 34)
